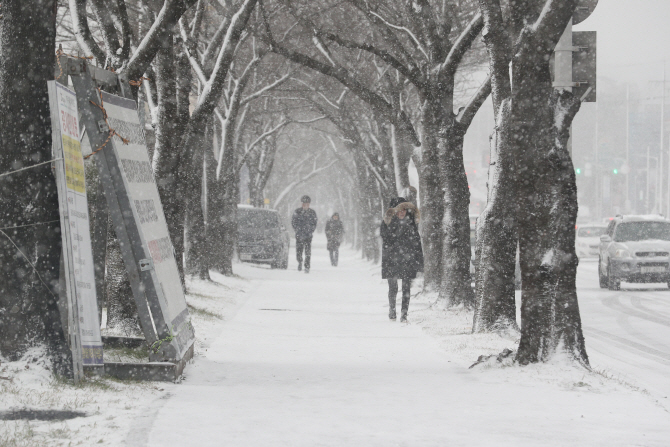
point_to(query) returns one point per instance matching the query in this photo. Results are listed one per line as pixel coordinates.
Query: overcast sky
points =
(633, 38)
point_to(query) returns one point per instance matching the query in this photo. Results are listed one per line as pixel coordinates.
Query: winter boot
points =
(392, 295)
(306, 269)
(392, 315)
(405, 307)
(299, 266)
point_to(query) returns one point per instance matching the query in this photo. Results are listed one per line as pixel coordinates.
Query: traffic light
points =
(578, 171)
(615, 171)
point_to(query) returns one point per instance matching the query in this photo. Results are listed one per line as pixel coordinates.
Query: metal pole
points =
(646, 197)
(627, 194)
(662, 149)
(659, 183)
(599, 193)
(563, 67)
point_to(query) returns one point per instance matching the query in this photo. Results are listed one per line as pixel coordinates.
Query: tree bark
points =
(455, 280)
(431, 192)
(28, 296)
(122, 314)
(547, 193)
(539, 123)
(167, 161)
(496, 235)
(197, 259)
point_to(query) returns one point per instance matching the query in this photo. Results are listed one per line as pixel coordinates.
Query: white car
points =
(635, 249)
(587, 239)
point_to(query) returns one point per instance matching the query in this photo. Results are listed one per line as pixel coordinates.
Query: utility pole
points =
(662, 150)
(627, 195)
(646, 197)
(563, 68)
(598, 188)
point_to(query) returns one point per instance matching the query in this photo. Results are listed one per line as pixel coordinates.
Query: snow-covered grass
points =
(110, 406)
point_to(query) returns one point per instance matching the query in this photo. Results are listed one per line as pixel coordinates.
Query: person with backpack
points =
(304, 223)
(402, 253)
(334, 235)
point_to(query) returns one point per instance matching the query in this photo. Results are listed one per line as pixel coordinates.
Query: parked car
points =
(262, 237)
(634, 249)
(587, 239)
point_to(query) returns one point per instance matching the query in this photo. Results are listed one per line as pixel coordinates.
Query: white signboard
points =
(76, 236)
(138, 180)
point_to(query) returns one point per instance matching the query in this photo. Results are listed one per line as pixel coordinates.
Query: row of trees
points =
(229, 81)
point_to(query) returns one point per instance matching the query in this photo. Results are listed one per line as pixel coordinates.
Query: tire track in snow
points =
(636, 301)
(659, 344)
(631, 346)
(613, 303)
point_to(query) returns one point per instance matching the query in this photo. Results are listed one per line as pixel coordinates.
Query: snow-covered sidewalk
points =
(312, 360)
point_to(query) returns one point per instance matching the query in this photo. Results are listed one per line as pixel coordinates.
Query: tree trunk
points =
(432, 194)
(229, 223)
(28, 296)
(402, 154)
(167, 160)
(197, 261)
(455, 284)
(547, 213)
(122, 314)
(547, 190)
(496, 235)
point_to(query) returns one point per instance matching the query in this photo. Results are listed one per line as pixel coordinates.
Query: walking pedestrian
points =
(334, 235)
(304, 223)
(402, 254)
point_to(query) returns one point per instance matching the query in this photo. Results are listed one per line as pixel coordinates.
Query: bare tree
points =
(532, 122)
(30, 240)
(425, 42)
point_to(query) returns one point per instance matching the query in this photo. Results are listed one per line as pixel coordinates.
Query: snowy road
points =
(312, 360)
(627, 331)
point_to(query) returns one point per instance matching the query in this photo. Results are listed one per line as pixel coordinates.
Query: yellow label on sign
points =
(74, 164)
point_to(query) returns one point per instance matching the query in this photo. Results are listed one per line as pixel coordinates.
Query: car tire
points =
(602, 279)
(612, 282)
(276, 260)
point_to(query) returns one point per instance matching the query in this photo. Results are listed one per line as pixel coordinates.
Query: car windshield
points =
(640, 231)
(591, 231)
(256, 220)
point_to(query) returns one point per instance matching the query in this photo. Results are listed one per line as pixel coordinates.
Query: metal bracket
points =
(74, 67)
(146, 264)
(103, 127)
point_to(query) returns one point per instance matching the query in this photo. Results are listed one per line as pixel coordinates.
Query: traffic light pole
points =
(563, 67)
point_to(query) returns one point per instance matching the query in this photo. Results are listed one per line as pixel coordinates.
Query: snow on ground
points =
(288, 359)
(111, 406)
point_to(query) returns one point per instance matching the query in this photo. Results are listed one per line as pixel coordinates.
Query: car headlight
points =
(621, 253)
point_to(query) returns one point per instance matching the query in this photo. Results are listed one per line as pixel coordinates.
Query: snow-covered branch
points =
(315, 171)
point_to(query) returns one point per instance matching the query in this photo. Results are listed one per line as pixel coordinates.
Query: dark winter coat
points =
(402, 253)
(334, 233)
(304, 223)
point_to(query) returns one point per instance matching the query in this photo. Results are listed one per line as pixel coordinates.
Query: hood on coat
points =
(399, 204)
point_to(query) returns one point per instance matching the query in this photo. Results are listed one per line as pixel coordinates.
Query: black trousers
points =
(334, 254)
(393, 292)
(306, 245)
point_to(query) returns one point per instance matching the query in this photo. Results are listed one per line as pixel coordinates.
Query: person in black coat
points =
(304, 223)
(334, 234)
(402, 253)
